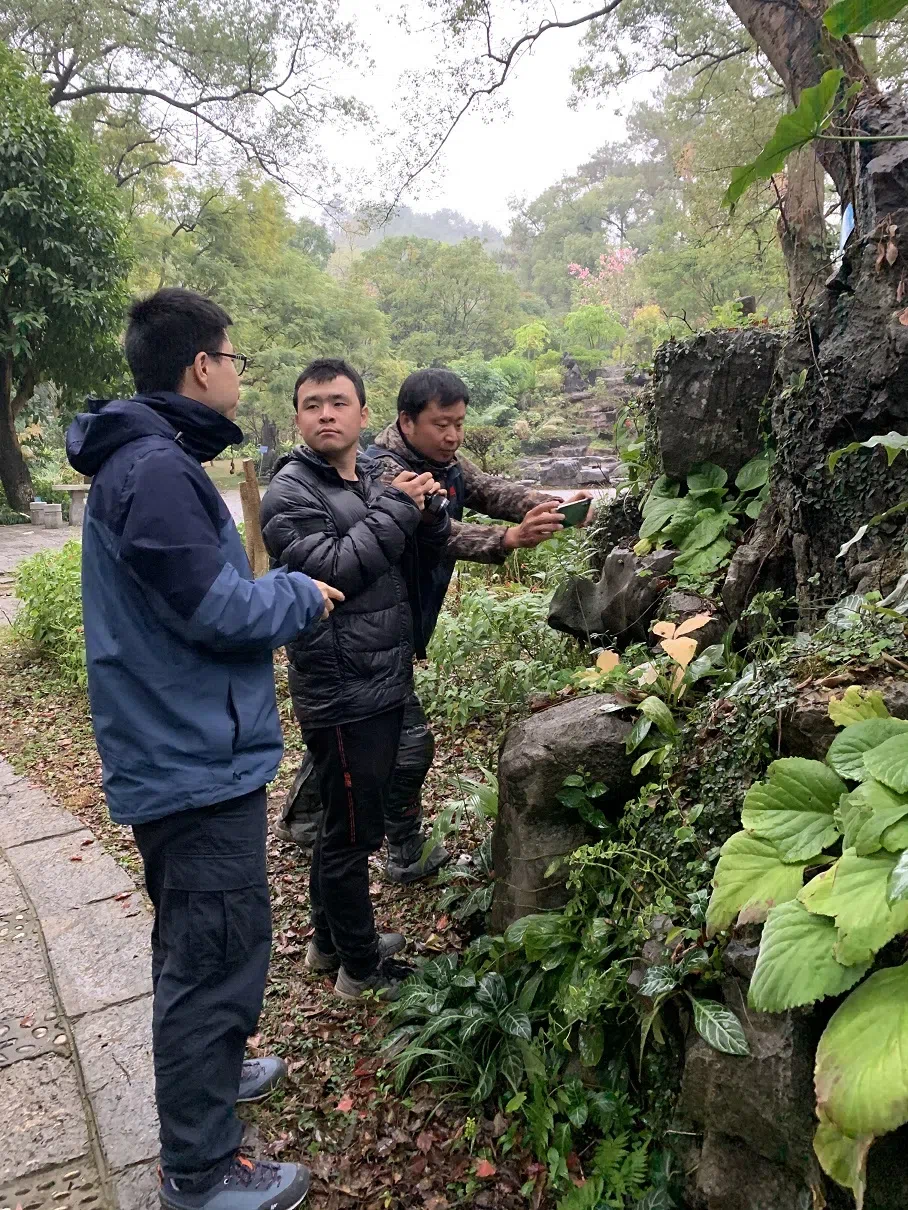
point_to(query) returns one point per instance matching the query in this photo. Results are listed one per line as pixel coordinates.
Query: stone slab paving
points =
(77, 1115)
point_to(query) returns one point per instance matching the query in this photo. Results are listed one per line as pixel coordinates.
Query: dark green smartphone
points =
(575, 512)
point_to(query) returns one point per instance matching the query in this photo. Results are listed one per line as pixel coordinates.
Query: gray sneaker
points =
(389, 944)
(406, 863)
(247, 1185)
(386, 984)
(259, 1077)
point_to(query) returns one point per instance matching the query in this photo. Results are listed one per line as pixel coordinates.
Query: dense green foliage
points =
(49, 622)
(63, 261)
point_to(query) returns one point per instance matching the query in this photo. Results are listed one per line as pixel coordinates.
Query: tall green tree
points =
(163, 83)
(240, 245)
(442, 300)
(63, 262)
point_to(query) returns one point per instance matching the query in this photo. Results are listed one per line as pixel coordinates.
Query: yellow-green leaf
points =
(797, 964)
(855, 892)
(861, 1072)
(750, 878)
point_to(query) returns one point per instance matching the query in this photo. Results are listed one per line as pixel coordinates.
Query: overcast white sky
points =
(517, 154)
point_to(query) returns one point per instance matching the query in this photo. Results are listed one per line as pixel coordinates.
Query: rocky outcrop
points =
(620, 605)
(533, 827)
(708, 394)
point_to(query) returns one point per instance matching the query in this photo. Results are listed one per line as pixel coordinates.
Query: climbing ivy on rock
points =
(843, 824)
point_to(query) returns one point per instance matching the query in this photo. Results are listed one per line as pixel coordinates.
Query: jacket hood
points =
(94, 435)
(393, 439)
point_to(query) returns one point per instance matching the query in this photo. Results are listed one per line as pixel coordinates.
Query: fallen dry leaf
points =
(485, 1168)
(344, 1105)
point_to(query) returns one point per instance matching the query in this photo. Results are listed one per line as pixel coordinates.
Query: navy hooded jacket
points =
(178, 635)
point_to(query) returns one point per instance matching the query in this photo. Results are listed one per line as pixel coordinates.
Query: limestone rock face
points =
(533, 827)
(707, 395)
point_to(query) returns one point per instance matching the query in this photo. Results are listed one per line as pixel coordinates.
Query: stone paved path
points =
(77, 1117)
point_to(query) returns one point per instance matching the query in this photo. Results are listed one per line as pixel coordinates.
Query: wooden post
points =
(252, 519)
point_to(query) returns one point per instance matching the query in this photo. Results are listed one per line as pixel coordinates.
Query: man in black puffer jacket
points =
(350, 675)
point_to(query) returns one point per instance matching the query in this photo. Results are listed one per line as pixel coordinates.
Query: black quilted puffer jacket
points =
(358, 662)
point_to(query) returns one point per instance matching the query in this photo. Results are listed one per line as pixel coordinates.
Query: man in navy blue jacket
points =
(178, 640)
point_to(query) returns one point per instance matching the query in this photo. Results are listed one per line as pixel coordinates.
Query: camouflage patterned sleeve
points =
(388, 468)
(495, 497)
(478, 543)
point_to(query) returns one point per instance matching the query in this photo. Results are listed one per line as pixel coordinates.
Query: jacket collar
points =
(200, 430)
(302, 453)
(393, 439)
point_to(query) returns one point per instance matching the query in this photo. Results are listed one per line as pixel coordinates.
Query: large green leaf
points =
(842, 1157)
(710, 525)
(846, 752)
(719, 1026)
(897, 890)
(702, 562)
(663, 489)
(862, 1060)
(851, 16)
(753, 474)
(683, 520)
(880, 808)
(796, 964)
(895, 838)
(888, 763)
(855, 893)
(794, 808)
(850, 816)
(657, 517)
(793, 130)
(706, 477)
(656, 710)
(892, 443)
(516, 1023)
(751, 878)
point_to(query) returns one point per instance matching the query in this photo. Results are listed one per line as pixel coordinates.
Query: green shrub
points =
(491, 650)
(488, 387)
(49, 584)
(520, 374)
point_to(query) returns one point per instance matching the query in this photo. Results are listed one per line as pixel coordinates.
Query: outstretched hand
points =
(537, 526)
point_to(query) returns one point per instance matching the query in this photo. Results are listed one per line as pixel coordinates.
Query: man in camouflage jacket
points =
(427, 435)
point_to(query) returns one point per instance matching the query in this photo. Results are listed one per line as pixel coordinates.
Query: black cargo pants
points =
(403, 810)
(211, 942)
(354, 764)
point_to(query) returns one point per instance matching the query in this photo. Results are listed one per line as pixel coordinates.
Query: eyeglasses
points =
(239, 358)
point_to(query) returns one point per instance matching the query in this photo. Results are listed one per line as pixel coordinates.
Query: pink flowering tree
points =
(611, 285)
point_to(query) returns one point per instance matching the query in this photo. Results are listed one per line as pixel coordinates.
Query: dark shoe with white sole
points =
(385, 985)
(406, 863)
(260, 1077)
(388, 945)
(247, 1185)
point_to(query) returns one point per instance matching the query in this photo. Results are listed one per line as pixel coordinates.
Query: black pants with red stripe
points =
(355, 765)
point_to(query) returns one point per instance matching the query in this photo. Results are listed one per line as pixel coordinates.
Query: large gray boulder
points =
(533, 827)
(708, 394)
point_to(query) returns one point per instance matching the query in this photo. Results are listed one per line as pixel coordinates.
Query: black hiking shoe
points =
(259, 1077)
(247, 1185)
(386, 984)
(389, 944)
(406, 863)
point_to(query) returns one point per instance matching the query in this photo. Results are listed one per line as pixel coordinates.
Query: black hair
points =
(167, 331)
(323, 369)
(418, 390)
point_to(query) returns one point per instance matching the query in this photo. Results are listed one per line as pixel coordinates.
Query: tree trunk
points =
(792, 36)
(14, 473)
(852, 347)
(802, 228)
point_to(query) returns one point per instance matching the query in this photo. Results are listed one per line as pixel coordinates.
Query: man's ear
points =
(197, 373)
(364, 417)
(406, 423)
